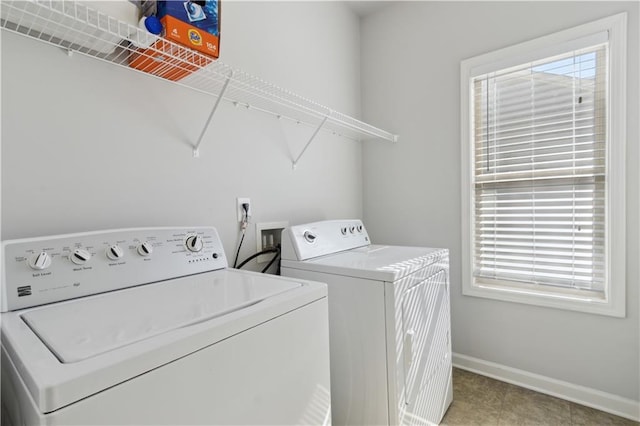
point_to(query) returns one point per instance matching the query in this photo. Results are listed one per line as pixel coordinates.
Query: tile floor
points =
(479, 400)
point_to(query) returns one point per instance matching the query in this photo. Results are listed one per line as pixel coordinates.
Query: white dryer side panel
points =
(423, 360)
(358, 341)
(274, 373)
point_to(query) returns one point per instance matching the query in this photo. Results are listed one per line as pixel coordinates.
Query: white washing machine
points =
(148, 326)
(389, 322)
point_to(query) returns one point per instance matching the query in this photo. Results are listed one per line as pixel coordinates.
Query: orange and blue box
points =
(195, 24)
(167, 61)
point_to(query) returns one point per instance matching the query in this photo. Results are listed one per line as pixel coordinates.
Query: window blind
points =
(540, 171)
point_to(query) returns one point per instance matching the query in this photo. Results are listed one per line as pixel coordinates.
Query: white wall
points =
(88, 145)
(410, 84)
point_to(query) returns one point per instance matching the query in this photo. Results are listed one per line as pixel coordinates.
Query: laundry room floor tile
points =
(479, 390)
(526, 407)
(480, 400)
(581, 415)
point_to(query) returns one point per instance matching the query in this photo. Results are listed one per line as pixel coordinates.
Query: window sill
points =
(567, 299)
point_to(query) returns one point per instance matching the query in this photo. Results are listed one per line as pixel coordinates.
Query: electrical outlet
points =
(268, 235)
(240, 209)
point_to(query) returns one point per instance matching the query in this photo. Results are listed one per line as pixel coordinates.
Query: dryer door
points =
(425, 322)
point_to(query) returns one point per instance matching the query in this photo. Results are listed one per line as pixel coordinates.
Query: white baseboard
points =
(599, 400)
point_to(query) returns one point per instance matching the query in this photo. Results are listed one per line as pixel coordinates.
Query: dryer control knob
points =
(352, 229)
(40, 261)
(309, 236)
(194, 243)
(145, 249)
(114, 252)
(80, 256)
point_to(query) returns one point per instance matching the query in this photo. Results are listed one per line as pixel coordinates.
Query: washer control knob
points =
(352, 229)
(80, 256)
(40, 261)
(360, 228)
(145, 249)
(343, 230)
(309, 236)
(194, 243)
(114, 252)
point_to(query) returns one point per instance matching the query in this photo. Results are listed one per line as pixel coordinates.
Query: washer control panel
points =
(302, 242)
(43, 270)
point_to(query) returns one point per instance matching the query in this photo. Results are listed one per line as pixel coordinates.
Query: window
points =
(543, 126)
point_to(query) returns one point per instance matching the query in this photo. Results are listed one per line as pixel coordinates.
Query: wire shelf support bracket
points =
(313, 136)
(196, 149)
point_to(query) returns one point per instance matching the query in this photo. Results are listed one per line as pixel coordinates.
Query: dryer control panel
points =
(302, 242)
(36, 271)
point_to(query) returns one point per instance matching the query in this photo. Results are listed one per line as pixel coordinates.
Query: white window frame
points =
(613, 302)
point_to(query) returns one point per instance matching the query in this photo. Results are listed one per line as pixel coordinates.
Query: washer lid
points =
(374, 262)
(126, 333)
(84, 328)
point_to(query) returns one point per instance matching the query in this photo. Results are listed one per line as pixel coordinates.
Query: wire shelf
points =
(78, 27)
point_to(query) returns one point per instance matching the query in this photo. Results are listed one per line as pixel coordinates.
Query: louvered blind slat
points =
(540, 170)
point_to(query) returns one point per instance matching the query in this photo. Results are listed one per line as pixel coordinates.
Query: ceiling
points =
(368, 7)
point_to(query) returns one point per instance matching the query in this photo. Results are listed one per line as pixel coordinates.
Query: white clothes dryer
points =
(389, 322)
(149, 326)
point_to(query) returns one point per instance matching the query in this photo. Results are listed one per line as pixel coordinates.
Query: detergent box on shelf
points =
(166, 60)
(195, 24)
(192, 24)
